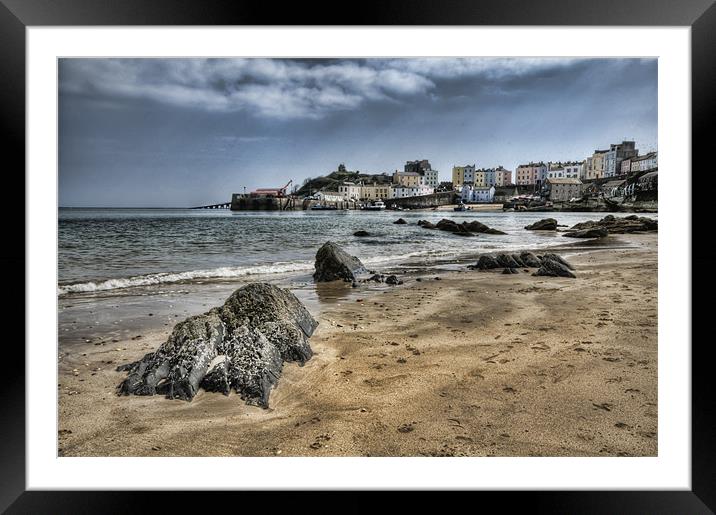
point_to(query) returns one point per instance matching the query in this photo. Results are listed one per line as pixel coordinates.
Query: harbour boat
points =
(462, 207)
(378, 205)
(323, 207)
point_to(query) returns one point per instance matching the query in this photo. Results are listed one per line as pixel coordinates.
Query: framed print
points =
(422, 251)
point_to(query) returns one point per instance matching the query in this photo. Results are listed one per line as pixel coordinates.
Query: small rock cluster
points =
(611, 224)
(463, 229)
(551, 265)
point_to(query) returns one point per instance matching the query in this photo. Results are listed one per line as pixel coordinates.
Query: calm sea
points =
(108, 250)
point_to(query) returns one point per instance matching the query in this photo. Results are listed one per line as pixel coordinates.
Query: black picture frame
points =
(17, 15)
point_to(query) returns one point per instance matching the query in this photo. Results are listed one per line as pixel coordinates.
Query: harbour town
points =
(613, 179)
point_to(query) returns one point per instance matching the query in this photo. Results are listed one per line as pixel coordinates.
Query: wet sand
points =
(473, 364)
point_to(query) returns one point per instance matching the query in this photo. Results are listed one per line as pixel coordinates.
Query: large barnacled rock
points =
(178, 366)
(276, 313)
(546, 224)
(595, 232)
(241, 345)
(333, 263)
(253, 365)
(553, 268)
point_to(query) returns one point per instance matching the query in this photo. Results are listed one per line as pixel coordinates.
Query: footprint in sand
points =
(406, 428)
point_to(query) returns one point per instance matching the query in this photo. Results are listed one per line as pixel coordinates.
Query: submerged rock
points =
(546, 224)
(240, 345)
(333, 263)
(361, 233)
(400, 221)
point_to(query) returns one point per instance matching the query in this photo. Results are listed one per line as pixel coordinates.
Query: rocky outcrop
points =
(393, 280)
(529, 260)
(485, 262)
(595, 232)
(507, 261)
(241, 345)
(616, 225)
(501, 260)
(361, 233)
(463, 229)
(549, 265)
(554, 268)
(559, 259)
(333, 263)
(546, 224)
(400, 221)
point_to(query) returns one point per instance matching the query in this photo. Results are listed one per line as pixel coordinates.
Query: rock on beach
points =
(333, 263)
(240, 345)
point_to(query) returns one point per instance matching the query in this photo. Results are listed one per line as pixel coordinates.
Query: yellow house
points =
(463, 175)
(480, 180)
(409, 179)
(595, 165)
(375, 191)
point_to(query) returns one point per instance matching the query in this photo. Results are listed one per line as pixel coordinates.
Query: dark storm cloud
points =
(188, 131)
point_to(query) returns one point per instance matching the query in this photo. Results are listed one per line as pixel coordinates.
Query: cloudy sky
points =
(183, 132)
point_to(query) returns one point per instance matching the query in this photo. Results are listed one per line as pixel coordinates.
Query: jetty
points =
(223, 205)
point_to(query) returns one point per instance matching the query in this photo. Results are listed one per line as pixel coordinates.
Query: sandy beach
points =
(476, 363)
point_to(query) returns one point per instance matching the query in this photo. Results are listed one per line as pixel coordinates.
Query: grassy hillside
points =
(331, 181)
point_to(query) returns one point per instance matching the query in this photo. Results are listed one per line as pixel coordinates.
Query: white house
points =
(400, 191)
(431, 178)
(475, 194)
(349, 190)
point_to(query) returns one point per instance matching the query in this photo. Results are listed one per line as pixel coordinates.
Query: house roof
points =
(564, 181)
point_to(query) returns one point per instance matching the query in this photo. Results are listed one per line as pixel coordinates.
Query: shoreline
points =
(477, 363)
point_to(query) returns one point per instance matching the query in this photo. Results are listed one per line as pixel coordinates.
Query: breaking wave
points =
(174, 277)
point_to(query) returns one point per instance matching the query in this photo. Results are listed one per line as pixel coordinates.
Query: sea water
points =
(116, 266)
